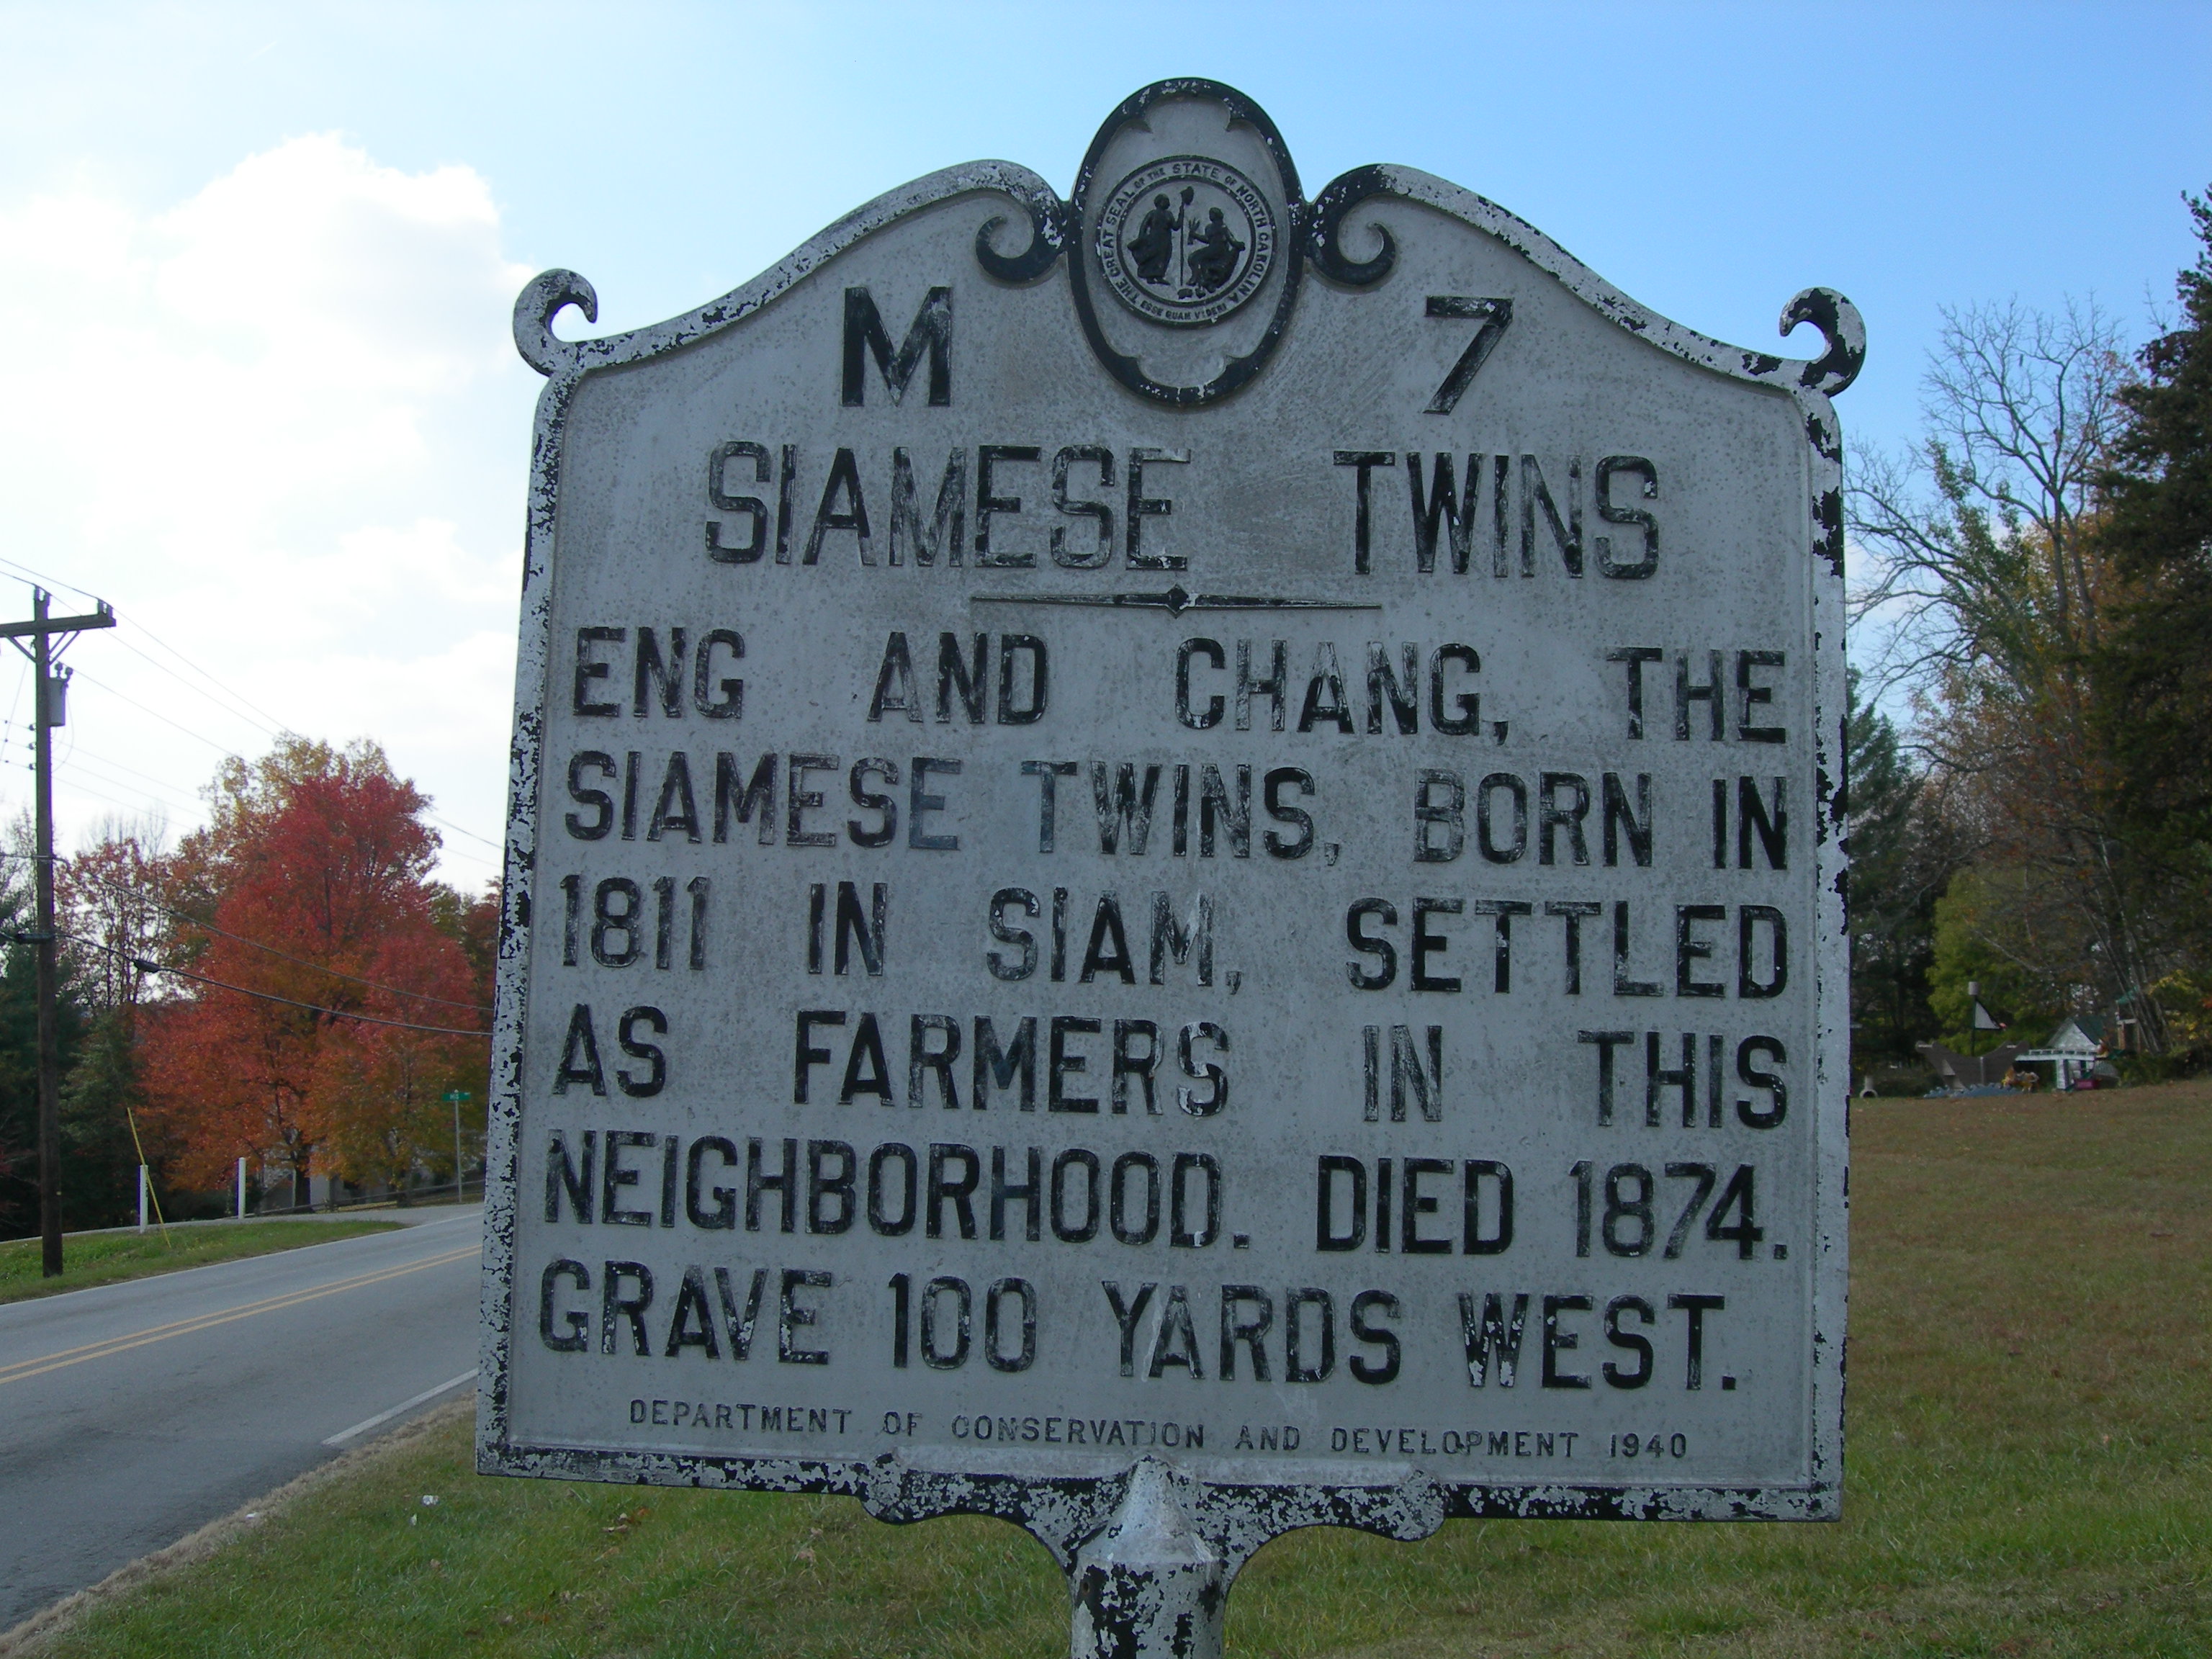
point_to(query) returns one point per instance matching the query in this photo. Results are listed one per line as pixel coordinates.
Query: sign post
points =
(453, 1098)
(1175, 872)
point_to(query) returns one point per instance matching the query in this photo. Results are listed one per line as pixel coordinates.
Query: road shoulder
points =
(126, 1258)
(35, 1633)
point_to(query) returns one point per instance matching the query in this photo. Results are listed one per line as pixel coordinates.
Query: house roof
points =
(2084, 1034)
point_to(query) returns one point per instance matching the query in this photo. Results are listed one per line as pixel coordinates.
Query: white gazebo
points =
(2071, 1051)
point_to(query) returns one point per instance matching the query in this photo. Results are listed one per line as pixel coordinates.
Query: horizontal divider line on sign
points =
(1176, 600)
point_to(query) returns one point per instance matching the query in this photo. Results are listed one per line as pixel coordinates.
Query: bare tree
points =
(1978, 539)
(113, 906)
(1985, 603)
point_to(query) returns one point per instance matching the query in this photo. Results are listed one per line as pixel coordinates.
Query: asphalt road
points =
(131, 1414)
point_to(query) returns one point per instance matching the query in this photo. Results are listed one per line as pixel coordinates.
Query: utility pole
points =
(49, 711)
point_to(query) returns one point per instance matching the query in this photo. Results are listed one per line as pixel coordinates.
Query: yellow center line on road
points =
(23, 1369)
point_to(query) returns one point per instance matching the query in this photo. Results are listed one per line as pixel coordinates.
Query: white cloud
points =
(280, 424)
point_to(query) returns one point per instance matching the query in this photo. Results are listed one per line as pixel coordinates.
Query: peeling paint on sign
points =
(1171, 903)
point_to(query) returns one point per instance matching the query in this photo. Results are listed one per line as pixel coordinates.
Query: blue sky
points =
(266, 253)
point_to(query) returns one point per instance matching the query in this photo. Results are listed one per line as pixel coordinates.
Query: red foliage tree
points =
(312, 888)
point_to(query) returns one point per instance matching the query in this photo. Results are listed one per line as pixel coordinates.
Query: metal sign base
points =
(1151, 1555)
(1148, 1582)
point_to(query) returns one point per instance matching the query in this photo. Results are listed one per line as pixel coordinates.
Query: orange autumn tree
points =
(311, 883)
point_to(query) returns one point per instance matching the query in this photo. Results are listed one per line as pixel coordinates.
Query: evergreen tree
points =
(1903, 852)
(18, 1064)
(2157, 665)
(99, 1155)
(111, 915)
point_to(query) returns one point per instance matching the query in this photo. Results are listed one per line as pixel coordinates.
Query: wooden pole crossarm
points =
(103, 617)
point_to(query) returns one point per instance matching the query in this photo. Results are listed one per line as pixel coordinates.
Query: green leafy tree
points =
(1994, 929)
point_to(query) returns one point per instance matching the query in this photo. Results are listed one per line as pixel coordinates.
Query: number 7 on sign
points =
(1491, 317)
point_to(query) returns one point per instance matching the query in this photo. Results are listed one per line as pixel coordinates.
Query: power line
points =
(145, 967)
(78, 753)
(227, 690)
(209, 927)
(268, 724)
(260, 722)
(138, 805)
(79, 788)
(79, 758)
(181, 803)
(144, 898)
(15, 702)
(227, 748)
(498, 847)
(30, 574)
(219, 748)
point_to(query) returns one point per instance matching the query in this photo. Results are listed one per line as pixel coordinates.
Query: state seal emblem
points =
(1186, 241)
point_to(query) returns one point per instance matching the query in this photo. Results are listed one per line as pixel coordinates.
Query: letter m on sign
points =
(932, 331)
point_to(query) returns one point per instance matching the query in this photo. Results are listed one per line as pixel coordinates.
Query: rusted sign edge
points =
(548, 293)
(1321, 223)
(1842, 330)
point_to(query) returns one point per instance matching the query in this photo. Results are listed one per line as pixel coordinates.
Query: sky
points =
(257, 263)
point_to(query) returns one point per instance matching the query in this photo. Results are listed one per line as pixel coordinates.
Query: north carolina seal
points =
(1186, 241)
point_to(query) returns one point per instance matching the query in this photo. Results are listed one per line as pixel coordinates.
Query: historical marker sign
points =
(1186, 824)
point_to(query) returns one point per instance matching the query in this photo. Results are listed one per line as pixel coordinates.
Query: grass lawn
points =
(91, 1259)
(2030, 1416)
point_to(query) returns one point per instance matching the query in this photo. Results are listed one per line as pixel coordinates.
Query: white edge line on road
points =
(382, 1418)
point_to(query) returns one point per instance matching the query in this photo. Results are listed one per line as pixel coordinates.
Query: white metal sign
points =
(1183, 825)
